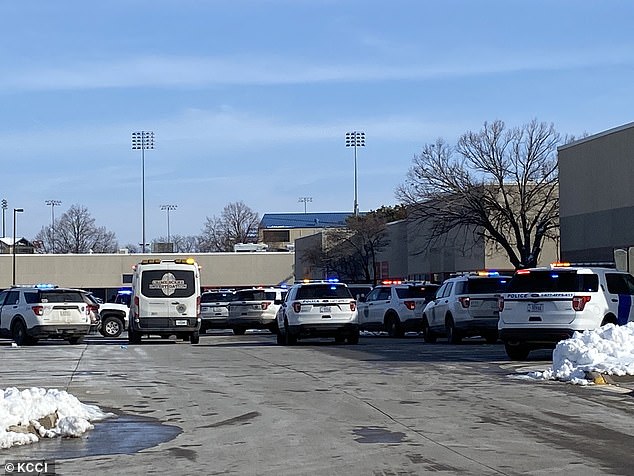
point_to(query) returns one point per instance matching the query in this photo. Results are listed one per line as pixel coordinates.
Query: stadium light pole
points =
(143, 140)
(168, 208)
(15, 225)
(305, 200)
(355, 139)
(53, 204)
(5, 205)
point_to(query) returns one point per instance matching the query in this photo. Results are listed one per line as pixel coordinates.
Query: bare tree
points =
(351, 252)
(181, 244)
(501, 184)
(237, 224)
(76, 232)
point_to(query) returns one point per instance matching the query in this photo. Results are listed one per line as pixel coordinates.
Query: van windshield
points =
(175, 283)
(553, 281)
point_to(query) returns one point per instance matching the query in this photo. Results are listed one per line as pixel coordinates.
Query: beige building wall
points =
(107, 270)
(303, 268)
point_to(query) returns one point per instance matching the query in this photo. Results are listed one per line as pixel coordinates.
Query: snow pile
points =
(27, 414)
(608, 350)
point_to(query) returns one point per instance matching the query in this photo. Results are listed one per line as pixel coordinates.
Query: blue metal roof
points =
(303, 220)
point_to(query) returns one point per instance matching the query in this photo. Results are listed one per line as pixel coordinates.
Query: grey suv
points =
(30, 313)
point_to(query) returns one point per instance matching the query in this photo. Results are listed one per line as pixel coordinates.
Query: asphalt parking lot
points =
(243, 405)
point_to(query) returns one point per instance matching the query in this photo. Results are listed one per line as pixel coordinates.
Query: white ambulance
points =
(165, 300)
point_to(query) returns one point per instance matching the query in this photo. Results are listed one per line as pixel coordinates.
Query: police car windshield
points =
(216, 297)
(486, 285)
(553, 281)
(59, 295)
(254, 295)
(417, 292)
(323, 291)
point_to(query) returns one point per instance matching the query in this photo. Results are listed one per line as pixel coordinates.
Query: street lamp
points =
(143, 140)
(5, 205)
(53, 204)
(167, 208)
(15, 212)
(355, 139)
(305, 200)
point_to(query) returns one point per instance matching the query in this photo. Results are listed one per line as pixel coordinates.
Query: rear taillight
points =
(136, 301)
(265, 305)
(411, 305)
(500, 304)
(353, 305)
(198, 305)
(297, 306)
(38, 310)
(579, 302)
(465, 301)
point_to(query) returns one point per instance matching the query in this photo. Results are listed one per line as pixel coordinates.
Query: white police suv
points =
(318, 309)
(465, 305)
(30, 313)
(542, 306)
(395, 307)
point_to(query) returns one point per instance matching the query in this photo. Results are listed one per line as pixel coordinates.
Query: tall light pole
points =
(167, 208)
(53, 204)
(143, 140)
(305, 200)
(5, 205)
(15, 225)
(355, 139)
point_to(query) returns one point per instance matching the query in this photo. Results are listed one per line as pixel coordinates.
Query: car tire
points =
(111, 327)
(194, 337)
(289, 339)
(490, 337)
(76, 340)
(428, 334)
(239, 331)
(517, 351)
(353, 339)
(453, 334)
(134, 337)
(393, 326)
(281, 338)
(19, 334)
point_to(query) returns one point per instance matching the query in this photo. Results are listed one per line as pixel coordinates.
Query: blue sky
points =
(250, 100)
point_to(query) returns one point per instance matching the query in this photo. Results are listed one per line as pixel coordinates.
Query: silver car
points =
(214, 309)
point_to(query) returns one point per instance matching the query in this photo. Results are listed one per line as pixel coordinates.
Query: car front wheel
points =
(111, 327)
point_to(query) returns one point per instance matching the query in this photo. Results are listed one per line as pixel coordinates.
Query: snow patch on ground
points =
(33, 413)
(607, 350)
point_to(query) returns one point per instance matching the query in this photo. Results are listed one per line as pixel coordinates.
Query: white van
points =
(165, 300)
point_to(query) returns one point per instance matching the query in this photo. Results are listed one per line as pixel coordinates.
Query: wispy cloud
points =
(174, 72)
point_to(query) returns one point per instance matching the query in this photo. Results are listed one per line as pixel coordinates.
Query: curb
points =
(606, 379)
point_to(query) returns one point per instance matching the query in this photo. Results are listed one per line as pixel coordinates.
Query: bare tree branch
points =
(500, 183)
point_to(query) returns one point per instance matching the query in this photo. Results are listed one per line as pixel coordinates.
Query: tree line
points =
(76, 231)
(498, 185)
